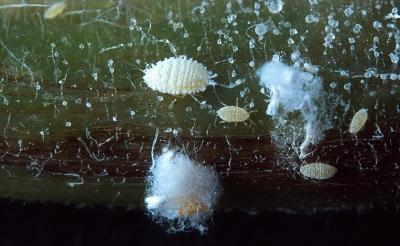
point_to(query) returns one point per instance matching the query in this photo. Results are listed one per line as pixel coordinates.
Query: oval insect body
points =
(233, 114)
(318, 170)
(54, 10)
(177, 76)
(358, 121)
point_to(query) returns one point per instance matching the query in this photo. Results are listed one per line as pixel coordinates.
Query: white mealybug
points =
(54, 10)
(233, 114)
(177, 76)
(318, 170)
(181, 192)
(358, 121)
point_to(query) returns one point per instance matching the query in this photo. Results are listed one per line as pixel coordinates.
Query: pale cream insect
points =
(54, 10)
(318, 170)
(233, 114)
(177, 76)
(358, 121)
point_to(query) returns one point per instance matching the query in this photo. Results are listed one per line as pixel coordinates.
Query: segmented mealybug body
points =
(177, 76)
(318, 170)
(233, 114)
(358, 121)
(54, 10)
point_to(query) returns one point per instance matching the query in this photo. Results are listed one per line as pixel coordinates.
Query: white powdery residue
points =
(181, 193)
(297, 101)
(274, 6)
(260, 29)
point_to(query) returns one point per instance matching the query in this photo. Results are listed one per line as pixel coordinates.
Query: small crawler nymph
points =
(54, 10)
(233, 114)
(318, 170)
(358, 121)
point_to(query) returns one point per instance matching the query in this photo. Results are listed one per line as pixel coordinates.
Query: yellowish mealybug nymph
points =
(358, 121)
(54, 10)
(318, 170)
(233, 114)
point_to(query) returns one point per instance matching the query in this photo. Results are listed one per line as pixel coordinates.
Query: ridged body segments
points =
(358, 121)
(318, 170)
(54, 10)
(233, 114)
(177, 76)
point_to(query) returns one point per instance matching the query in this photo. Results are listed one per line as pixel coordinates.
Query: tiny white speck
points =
(357, 28)
(274, 6)
(260, 29)
(94, 76)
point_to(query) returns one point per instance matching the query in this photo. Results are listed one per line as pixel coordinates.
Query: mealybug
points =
(358, 121)
(233, 114)
(318, 170)
(177, 76)
(54, 10)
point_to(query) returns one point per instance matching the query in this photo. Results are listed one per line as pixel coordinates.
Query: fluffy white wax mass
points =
(292, 90)
(289, 87)
(181, 192)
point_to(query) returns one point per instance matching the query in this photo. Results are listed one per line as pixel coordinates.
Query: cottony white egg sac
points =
(292, 90)
(181, 192)
(177, 76)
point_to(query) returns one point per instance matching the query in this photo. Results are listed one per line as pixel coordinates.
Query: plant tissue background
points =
(75, 113)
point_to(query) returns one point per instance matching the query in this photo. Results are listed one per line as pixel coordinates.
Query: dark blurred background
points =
(59, 224)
